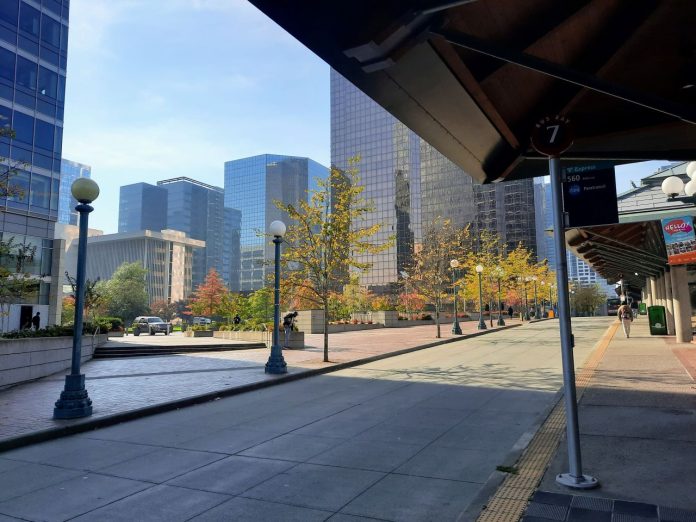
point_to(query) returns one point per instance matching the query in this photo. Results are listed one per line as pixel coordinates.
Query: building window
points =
(29, 19)
(26, 73)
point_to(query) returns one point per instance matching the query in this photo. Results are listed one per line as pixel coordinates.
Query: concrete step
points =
(139, 351)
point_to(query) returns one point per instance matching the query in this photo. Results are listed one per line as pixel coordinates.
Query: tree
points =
(429, 272)
(259, 305)
(209, 295)
(15, 281)
(9, 169)
(95, 297)
(411, 303)
(164, 309)
(67, 315)
(125, 293)
(233, 303)
(328, 238)
(585, 299)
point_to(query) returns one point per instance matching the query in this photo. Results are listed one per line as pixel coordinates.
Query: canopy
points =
(472, 77)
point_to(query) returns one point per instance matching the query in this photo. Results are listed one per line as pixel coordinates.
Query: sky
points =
(158, 89)
(166, 88)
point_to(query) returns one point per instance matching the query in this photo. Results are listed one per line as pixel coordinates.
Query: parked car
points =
(200, 321)
(151, 325)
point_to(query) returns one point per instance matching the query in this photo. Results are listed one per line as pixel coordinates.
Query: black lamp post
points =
(544, 312)
(500, 273)
(276, 362)
(74, 401)
(536, 302)
(456, 329)
(526, 302)
(481, 323)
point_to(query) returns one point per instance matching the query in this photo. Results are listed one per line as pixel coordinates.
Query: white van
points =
(198, 321)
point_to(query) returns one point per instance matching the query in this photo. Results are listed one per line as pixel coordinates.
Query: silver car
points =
(151, 325)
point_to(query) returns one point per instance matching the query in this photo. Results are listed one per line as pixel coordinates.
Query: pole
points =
(456, 329)
(500, 308)
(276, 363)
(482, 323)
(536, 302)
(74, 401)
(526, 303)
(575, 478)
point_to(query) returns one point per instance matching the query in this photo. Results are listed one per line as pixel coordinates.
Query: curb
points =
(117, 418)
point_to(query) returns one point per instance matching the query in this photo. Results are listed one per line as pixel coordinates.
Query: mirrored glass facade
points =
(252, 185)
(69, 172)
(33, 57)
(142, 206)
(411, 184)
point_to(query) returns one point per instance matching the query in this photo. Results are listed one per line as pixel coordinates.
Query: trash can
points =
(643, 309)
(657, 320)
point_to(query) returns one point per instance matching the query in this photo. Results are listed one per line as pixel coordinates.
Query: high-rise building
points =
(192, 207)
(142, 206)
(198, 209)
(411, 184)
(69, 172)
(578, 270)
(167, 256)
(33, 56)
(231, 254)
(252, 185)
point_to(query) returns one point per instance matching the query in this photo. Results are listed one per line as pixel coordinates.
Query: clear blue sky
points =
(166, 88)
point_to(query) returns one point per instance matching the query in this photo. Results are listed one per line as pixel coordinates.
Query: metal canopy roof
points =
(472, 76)
(621, 250)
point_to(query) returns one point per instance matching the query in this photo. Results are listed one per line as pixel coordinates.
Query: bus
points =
(613, 304)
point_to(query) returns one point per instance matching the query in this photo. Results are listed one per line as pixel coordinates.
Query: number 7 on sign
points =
(552, 135)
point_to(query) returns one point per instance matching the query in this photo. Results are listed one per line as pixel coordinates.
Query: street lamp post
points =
(481, 323)
(536, 305)
(276, 362)
(500, 273)
(526, 302)
(456, 329)
(544, 313)
(74, 401)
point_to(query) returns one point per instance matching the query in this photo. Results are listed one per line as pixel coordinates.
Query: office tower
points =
(412, 185)
(231, 254)
(252, 185)
(69, 172)
(198, 210)
(192, 207)
(33, 56)
(167, 256)
(142, 206)
(578, 270)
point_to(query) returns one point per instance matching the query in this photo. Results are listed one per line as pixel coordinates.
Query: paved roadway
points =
(413, 437)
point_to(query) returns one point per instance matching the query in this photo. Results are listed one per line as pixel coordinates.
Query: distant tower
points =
(69, 172)
(252, 185)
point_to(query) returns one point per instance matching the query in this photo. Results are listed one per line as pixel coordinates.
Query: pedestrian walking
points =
(510, 311)
(36, 320)
(626, 317)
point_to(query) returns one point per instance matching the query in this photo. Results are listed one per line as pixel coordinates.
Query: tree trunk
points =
(437, 317)
(326, 331)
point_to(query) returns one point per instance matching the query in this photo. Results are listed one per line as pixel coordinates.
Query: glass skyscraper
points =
(192, 207)
(142, 206)
(411, 184)
(33, 57)
(252, 185)
(69, 172)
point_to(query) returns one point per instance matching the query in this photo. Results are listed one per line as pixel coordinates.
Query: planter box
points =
(296, 341)
(115, 334)
(389, 318)
(24, 360)
(262, 337)
(198, 333)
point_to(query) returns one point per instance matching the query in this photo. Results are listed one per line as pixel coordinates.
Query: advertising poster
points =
(680, 240)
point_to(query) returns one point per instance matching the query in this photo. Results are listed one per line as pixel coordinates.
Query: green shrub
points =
(115, 323)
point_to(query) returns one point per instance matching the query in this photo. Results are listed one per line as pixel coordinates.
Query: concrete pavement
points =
(127, 388)
(414, 437)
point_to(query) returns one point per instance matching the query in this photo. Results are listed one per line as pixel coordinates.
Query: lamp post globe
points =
(690, 188)
(276, 362)
(85, 190)
(691, 169)
(672, 186)
(481, 323)
(454, 265)
(74, 401)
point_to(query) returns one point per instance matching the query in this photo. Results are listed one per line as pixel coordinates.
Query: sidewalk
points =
(637, 422)
(123, 389)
